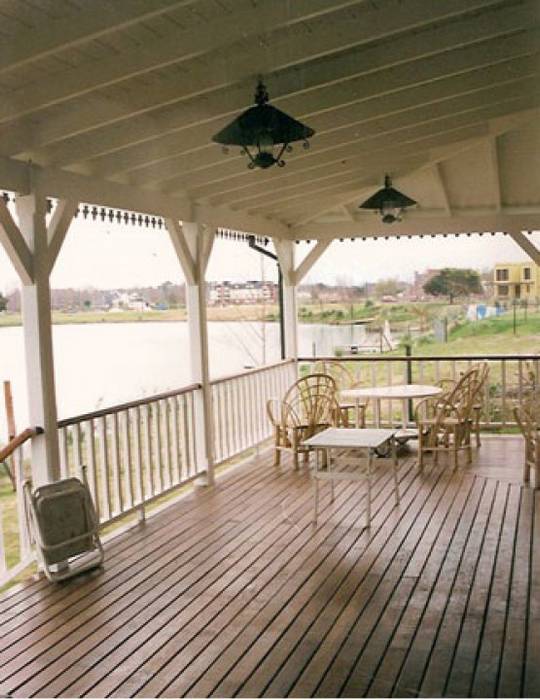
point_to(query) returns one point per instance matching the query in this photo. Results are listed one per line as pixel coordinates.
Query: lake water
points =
(99, 365)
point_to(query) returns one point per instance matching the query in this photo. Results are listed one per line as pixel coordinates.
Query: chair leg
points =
(277, 451)
(368, 504)
(455, 450)
(395, 469)
(420, 449)
(315, 500)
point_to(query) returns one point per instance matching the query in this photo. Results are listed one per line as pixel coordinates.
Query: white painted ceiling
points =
(443, 95)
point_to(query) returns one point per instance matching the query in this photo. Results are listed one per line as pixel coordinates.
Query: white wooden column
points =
(285, 252)
(44, 245)
(33, 248)
(292, 277)
(193, 244)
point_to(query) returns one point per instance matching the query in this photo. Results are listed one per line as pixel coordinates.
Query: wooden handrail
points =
(17, 441)
(247, 372)
(125, 406)
(423, 358)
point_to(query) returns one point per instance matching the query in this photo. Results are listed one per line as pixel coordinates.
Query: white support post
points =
(291, 279)
(285, 253)
(33, 249)
(36, 308)
(193, 245)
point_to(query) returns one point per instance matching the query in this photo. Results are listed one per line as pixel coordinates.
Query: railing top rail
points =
(125, 406)
(255, 370)
(18, 440)
(404, 358)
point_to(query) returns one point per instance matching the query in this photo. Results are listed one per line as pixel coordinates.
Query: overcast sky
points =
(106, 256)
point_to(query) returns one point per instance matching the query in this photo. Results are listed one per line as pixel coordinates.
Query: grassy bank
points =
(398, 314)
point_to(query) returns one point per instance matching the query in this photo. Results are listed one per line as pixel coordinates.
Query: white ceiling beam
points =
(178, 47)
(346, 199)
(52, 182)
(495, 174)
(291, 79)
(58, 227)
(237, 221)
(412, 225)
(181, 247)
(15, 245)
(525, 243)
(438, 179)
(78, 27)
(311, 258)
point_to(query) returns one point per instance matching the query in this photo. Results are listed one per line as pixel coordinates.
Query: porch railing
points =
(134, 452)
(239, 407)
(138, 452)
(15, 551)
(510, 379)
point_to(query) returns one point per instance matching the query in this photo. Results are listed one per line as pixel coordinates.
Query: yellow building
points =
(516, 281)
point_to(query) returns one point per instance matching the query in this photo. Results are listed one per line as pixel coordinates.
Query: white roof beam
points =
(412, 225)
(58, 228)
(15, 245)
(493, 155)
(438, 178)
(525, 244)
(311, 258)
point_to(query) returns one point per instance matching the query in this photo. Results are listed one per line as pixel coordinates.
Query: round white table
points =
(397, 392)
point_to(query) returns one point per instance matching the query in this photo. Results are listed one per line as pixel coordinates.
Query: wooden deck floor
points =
(232, 592)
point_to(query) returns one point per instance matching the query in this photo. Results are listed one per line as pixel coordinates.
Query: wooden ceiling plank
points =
(176, 48)
(212, 75)
(77, 28)
(399, 79)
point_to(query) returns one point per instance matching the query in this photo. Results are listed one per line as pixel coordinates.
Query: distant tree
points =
(388, 287)
(87, 304)
(452, 282)
(3, 302)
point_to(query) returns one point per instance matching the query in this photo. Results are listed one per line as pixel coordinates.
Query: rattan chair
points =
(445, 422)
(448, 385)
(308, 407)
(526, 417)
(344, 379)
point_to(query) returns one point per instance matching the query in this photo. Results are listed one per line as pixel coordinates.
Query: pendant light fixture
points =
(389, 202)
(263, 132)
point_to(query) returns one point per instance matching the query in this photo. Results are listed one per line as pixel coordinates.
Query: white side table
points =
(349, 467)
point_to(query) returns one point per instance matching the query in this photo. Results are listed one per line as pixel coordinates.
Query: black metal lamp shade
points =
(389, 202)
(264, 133)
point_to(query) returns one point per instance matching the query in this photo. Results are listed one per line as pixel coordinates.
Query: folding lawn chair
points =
(64, 528)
